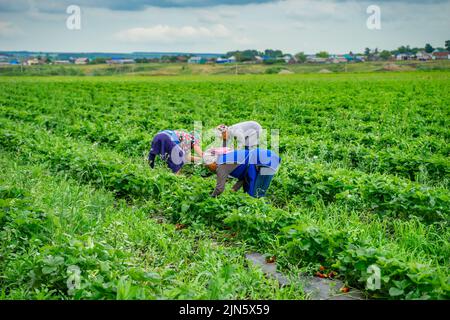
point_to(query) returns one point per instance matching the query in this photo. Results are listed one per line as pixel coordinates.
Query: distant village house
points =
(441, 55)
(81, 60)
(404, 56)
(424, 56)
(231, 59)
(61, 62)
(314, 59)
(32, 62)
(197, 60)
(120, 61)
(338, 59)
(289, 59)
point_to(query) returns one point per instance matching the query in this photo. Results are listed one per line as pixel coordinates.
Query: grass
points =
(177, 69)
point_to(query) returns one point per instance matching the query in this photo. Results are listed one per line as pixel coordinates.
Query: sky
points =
(219, 26)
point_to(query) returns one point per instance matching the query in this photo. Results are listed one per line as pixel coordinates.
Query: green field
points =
(364, 180)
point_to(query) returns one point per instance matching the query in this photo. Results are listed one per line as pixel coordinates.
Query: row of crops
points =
(65, 240)
(364, 178)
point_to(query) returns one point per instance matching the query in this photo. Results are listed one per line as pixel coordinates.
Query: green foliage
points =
(404, 49)
(273, 53)
(385, 55)
(63, 240)
(301, 57)
(323, 54)
(364, 180)
(274, 70)
(352, 257)
(385, 195)
(245, 55)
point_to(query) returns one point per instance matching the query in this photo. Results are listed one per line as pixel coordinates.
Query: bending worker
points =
(246, 133)
(174, 147)
(254, 170)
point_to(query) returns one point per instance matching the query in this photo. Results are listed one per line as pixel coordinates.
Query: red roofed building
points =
(441, 55)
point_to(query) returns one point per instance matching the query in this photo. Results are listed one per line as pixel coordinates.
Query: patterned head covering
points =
(196, 137)
(222, 128)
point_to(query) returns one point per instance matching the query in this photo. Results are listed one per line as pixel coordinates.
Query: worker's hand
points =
(212, 167)
(224, 135)
(198, 150)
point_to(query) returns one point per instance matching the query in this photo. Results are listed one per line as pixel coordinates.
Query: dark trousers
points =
(262, 184)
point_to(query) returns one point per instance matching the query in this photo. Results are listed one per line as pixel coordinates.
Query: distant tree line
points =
(301, 57)
(272, 56)
(249, 55)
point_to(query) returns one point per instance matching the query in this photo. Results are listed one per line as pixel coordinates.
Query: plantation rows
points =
(385, 195)
(364, 180)
(435, 168)
(188, 201)
(51, 228)
(381, 194)
(413, 145)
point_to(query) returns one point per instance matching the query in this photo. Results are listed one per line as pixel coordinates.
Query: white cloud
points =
(300, 25)
(7, 29)
(325, 11)
(218, 16)
(169, 34)
(336, 26)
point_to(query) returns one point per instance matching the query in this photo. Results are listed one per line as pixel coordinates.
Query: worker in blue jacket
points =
(254, 170)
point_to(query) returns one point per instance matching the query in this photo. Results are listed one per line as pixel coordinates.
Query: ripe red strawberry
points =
(180, 226)
(345, 289)
(320, 275)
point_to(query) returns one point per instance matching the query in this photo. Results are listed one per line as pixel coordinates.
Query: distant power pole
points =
(236, 68)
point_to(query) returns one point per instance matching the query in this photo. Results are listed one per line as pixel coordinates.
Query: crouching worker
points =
(246, 133)
(175, 148)
(254, 170)
(168, 149)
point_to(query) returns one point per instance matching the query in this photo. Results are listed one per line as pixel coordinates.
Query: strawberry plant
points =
(364, 181)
